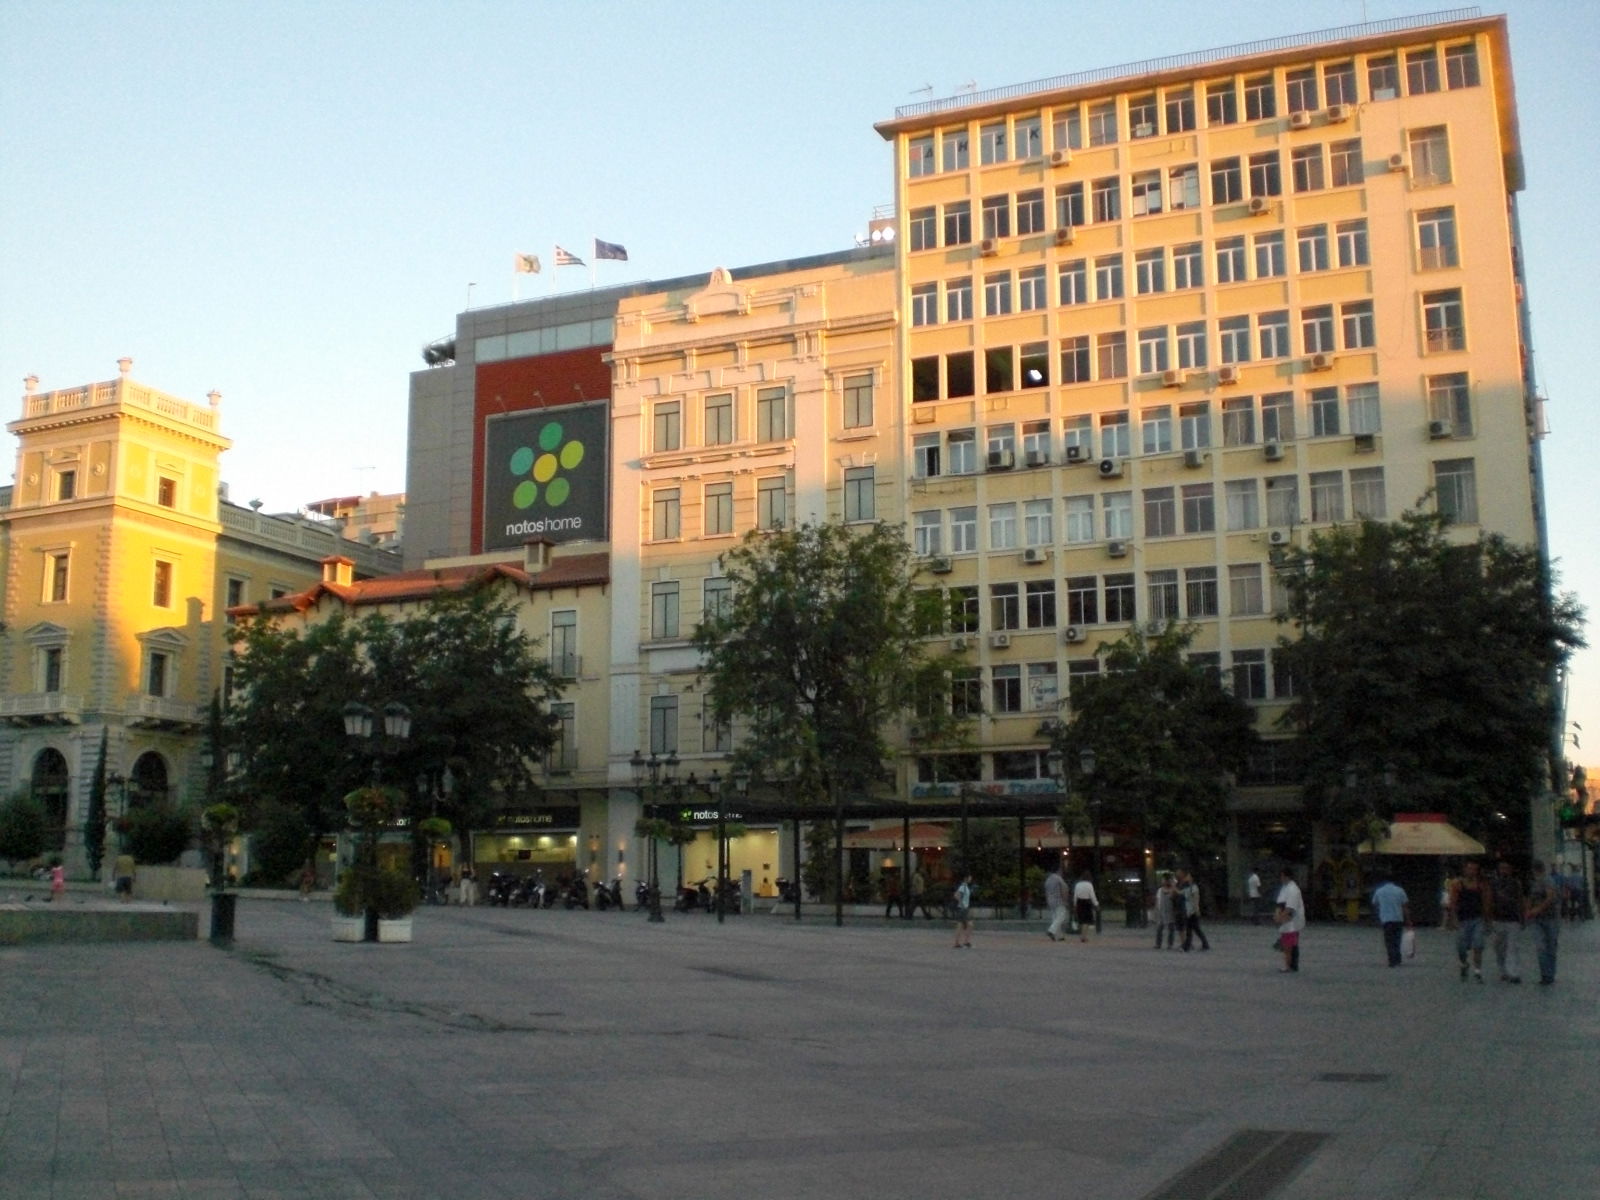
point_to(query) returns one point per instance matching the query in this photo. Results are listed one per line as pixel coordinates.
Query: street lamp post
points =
(649, 776)
(363, 731)
(740, 782)
(1086, 765)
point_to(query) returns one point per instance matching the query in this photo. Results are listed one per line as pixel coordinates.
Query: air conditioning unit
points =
(958, 643)
(1320, 362)
(989, 247)
(1061, 158)
(1299, 120)
(1366, 443)
(1037, 458)
(1035, 555)
(1257, 205)
(1229, 374)
(1338, 114)
(1172, 379)
(1078, 454)
(1277, 537)
(1397, 162)
(1440, 429)
(1074, 633)
(1110, 468)
(1117, 549)
(1065, 235)
(1001, 460)
(1272, 451)
(1144, 130)
(939, 566)
(999, 641)
(1194, 458)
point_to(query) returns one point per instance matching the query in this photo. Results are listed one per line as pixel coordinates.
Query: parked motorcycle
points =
(501, 885)
(602, 897)
(641, 895)
(577, 895)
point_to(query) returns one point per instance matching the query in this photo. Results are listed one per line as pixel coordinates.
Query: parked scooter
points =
(641, 895)
(602, 897)
(577, 895)
(501, 886)
(530, 891)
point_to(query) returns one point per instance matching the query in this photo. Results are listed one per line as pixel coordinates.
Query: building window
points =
(1188, 265)
(1072, 282)
(1155, 429)
(1422, 71)
(1005, 607)
(1456, 490)
(1116, 439)
(1066, 129)
(563, 753)
(1121, 600)
(919, 157)
(1266, 177)
(158, 673)
(1146, 193)
(1352, 239)
(1461, 65)
(1149, 272)
(962, 447)
(922, 227)
(1316, 329)
(1270, 259)
(663, 725)
(772, 414)
(1383, 77)
(927, 532)
(1194, 424)
(1339, 81)
(1044, 693)
(1239, 421)
(859, 494)
(1191, 339)
(1038, 527)
(718, 508)
(1324, 409)
(1368, 501)
(966, 695)
(1200, 591)
(66, 485)
(1183, 187)
(964, 529)
(167, 492)
(1311, 246)
(1105, 199)
(1041, 604)
(1230, 260)
(1161, 592)
(1449, 399)
(958, 299)
(1199, 508)
(1069, 206)
(1030, 211)
(999, 375)
(664, 610)
(52, 666)
(1108, 277)
(857, 401)
(772, 509)
(997, 294)
(1430, 156)
(925, 456)
(1111, 355)
(1160, 512)
(1443, 321)
(564, 643)
(1227, 181)
(1366, 413)
(1245, 595)
(1300, 89)
(1305, 168)
(958, 223)
(664, 514)
(1079, 431)
(1142, 116)
(1153, 350)
(1180, 110)
(953, 152)
(1222, 103)
(161, 590)
(1233, 337)
(1250, 674)
(964, 610)
(56, 567)
(1242, 500)
(1357, 326)
(1103, 123)
(233, 593)
(1027, 138)
(1003, 526)
(1032, 293)
(667, 418)
(1283, 501)
(1078, 516)
(924, 304)
(1327, 496)
(1075, 360)
(1273, 331)
(996, 215)
(1117, 508)
(1344, 163)
(716, 598)
(1436, 238)
(1260, 98)
(992, 143)
(1083, 600)
(719, 419)
(925, 378)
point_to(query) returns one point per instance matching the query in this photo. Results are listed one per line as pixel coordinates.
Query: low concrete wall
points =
(180, 884)
(39, 923)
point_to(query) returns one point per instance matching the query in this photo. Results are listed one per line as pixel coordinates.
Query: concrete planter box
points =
(397, 929)
(348, 929)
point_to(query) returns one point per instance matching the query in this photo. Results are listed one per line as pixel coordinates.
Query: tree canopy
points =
(1426, 659)
(1166, 735)
(478, 694)
(818, 650)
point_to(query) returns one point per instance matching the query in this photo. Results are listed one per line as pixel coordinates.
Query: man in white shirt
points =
(1088, 906)
(1291, 919)
(1252, 896)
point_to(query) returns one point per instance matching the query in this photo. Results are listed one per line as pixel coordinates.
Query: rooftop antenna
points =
(925, 90)
(968, 87)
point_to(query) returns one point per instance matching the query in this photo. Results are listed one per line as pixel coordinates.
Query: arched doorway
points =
(148, 784)
(51, 787)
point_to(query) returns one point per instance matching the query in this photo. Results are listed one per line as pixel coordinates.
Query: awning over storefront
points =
(892, 837)
(1422, 833)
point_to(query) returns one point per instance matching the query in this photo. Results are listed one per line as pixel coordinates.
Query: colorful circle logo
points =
(543, 466)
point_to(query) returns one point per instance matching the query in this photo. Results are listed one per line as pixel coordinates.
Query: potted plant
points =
(387, 892)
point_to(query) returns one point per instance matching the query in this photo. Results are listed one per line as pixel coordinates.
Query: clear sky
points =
(285, 200)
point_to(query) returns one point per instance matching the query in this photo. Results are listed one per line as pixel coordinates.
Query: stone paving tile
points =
(514, 1054)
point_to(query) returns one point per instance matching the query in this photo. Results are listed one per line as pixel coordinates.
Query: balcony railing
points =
(159, 710)
(44, 708)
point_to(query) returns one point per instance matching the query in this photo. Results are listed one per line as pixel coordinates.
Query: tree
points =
(1165, 734)
(155, 833)
(22, 828)
(818, 650)
(1427, 660)
(94, 823)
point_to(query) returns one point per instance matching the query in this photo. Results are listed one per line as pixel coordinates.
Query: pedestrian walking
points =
(1544, 916)
(1055, 899)
(468, 888)
(1509, 903)
(1469, 909)
(1290, 917)
(1252, 896)
(124, 870)
(891, 896)
(58, 880)
(1166, 922)
(1190, 891)
(919, 895)
(1087, 905)
(1393, 909)
(963, 900)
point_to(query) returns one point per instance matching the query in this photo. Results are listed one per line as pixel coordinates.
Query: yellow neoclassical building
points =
(1160, 321)
(120, 556)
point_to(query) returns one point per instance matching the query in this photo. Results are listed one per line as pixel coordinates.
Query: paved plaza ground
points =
(526, 1055)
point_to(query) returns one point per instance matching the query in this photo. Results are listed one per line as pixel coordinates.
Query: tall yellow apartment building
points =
(1159, 321)
(119, 559)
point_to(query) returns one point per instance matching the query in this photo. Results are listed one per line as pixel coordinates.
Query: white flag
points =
(526, 264)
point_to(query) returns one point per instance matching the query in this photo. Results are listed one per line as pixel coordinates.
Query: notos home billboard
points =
(544, 476)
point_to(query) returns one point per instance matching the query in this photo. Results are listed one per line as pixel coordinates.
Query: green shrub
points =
(392, 893)
(22, 830)
(279, 845)
(155, 835)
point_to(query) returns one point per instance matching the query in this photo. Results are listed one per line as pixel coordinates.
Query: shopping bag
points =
(1408, 944)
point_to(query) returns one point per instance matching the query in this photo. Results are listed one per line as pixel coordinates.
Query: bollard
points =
(223, 907)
